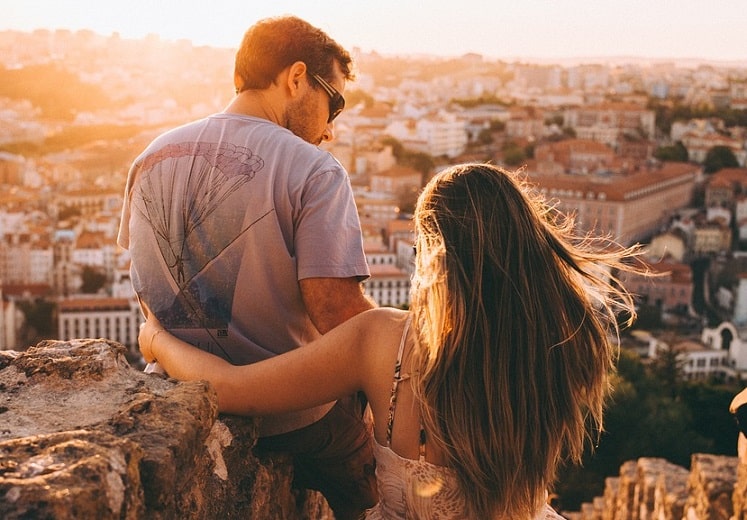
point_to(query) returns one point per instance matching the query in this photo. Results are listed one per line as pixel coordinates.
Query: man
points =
(245, 238)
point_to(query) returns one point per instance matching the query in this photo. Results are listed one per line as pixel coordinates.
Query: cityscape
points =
(643, 151)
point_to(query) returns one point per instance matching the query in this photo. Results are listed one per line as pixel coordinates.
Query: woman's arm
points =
(331, 367)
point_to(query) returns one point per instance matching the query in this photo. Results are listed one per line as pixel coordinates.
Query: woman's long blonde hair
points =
(513, 315)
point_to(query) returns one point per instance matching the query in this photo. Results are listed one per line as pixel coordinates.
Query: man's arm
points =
(331, 301)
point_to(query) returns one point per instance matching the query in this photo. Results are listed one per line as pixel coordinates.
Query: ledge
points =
(84, 435)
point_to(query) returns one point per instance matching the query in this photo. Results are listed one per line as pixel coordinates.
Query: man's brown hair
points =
(272, 44)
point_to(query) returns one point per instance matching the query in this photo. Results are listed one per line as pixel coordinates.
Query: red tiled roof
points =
(615, 188)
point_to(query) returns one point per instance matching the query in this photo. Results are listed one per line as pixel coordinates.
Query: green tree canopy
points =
(719, 157)
(651, 416)
(419, 161)
(673, 153)
(93, 280)
(39, 320)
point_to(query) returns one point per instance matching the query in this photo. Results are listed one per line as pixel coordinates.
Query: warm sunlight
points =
(179, 202)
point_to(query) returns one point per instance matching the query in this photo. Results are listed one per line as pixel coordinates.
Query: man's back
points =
(225, 216)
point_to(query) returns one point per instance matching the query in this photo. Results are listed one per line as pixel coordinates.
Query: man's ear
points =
(296, 77)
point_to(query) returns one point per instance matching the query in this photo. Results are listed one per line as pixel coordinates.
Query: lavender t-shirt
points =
(222, 218)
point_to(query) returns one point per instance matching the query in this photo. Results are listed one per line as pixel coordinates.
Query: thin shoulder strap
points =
(395, 382)
(393, 397)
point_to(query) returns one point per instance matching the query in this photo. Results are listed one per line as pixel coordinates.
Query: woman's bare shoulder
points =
(383, 320)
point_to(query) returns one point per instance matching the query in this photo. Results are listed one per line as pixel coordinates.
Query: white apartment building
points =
(700, 363)
(697, 361)
(117, 319)
(739, 301)
(41, 265)
(444, 135)
(729, 342)
(377, 207)
(441, 135)
(8, 325)
(25, 259)
(389, 286)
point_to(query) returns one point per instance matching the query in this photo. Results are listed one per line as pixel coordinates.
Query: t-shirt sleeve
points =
(328, 238)
(123, 236)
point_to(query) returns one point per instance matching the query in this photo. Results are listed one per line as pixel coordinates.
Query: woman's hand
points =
(148, 332)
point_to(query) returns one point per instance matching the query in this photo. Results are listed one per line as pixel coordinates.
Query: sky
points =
(504, 29)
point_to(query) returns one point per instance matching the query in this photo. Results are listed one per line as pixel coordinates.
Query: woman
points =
(487, 384)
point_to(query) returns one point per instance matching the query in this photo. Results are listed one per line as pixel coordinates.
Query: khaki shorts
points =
(334, 456)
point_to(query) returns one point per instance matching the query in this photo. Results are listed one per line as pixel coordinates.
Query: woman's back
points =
(414, 487)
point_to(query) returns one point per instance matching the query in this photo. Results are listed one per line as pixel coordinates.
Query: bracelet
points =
(152, 339)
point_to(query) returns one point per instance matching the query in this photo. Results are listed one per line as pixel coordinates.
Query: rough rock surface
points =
(740, 492)
(670, 494)
(83, 435)
(655, 489)
(711, 486)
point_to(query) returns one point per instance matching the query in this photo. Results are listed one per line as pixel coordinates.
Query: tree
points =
(674, 153)
(485, 136)
(419, 161)
(38, 320)
(353, 97)
(496, 125)
(649, 317)
(643, 420)
(667, 368)
(719, 157)
(93, 280)
(513, 154)
(407, 198)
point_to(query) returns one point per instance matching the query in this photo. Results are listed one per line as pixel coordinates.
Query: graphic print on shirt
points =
(194, 197)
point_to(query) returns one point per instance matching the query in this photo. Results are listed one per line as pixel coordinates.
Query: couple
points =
(477, 393)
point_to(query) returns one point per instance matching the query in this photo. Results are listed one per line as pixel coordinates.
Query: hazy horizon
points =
(687, 30)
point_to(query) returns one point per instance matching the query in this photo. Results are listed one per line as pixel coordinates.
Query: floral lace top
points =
(417, 489)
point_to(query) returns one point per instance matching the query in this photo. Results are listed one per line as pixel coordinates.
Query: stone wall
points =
(84, 435)
(654, 489)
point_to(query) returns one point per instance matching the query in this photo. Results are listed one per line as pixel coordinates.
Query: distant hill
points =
(59, 93)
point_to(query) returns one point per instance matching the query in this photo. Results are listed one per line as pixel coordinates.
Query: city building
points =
(700, 363)
(711, 238)
(9, 323)
(388, 285)
(725, 186)
(573, 156)
(609, 122)
(628, 208)
(117, 319)
(444, 134)
(698, 145)
(671, 288)
(396, 180)
(672, 244)
(730, 342)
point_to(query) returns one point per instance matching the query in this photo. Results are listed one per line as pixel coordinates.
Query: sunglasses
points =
(336, 101)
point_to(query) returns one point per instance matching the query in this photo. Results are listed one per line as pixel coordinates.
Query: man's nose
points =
(329, 132)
